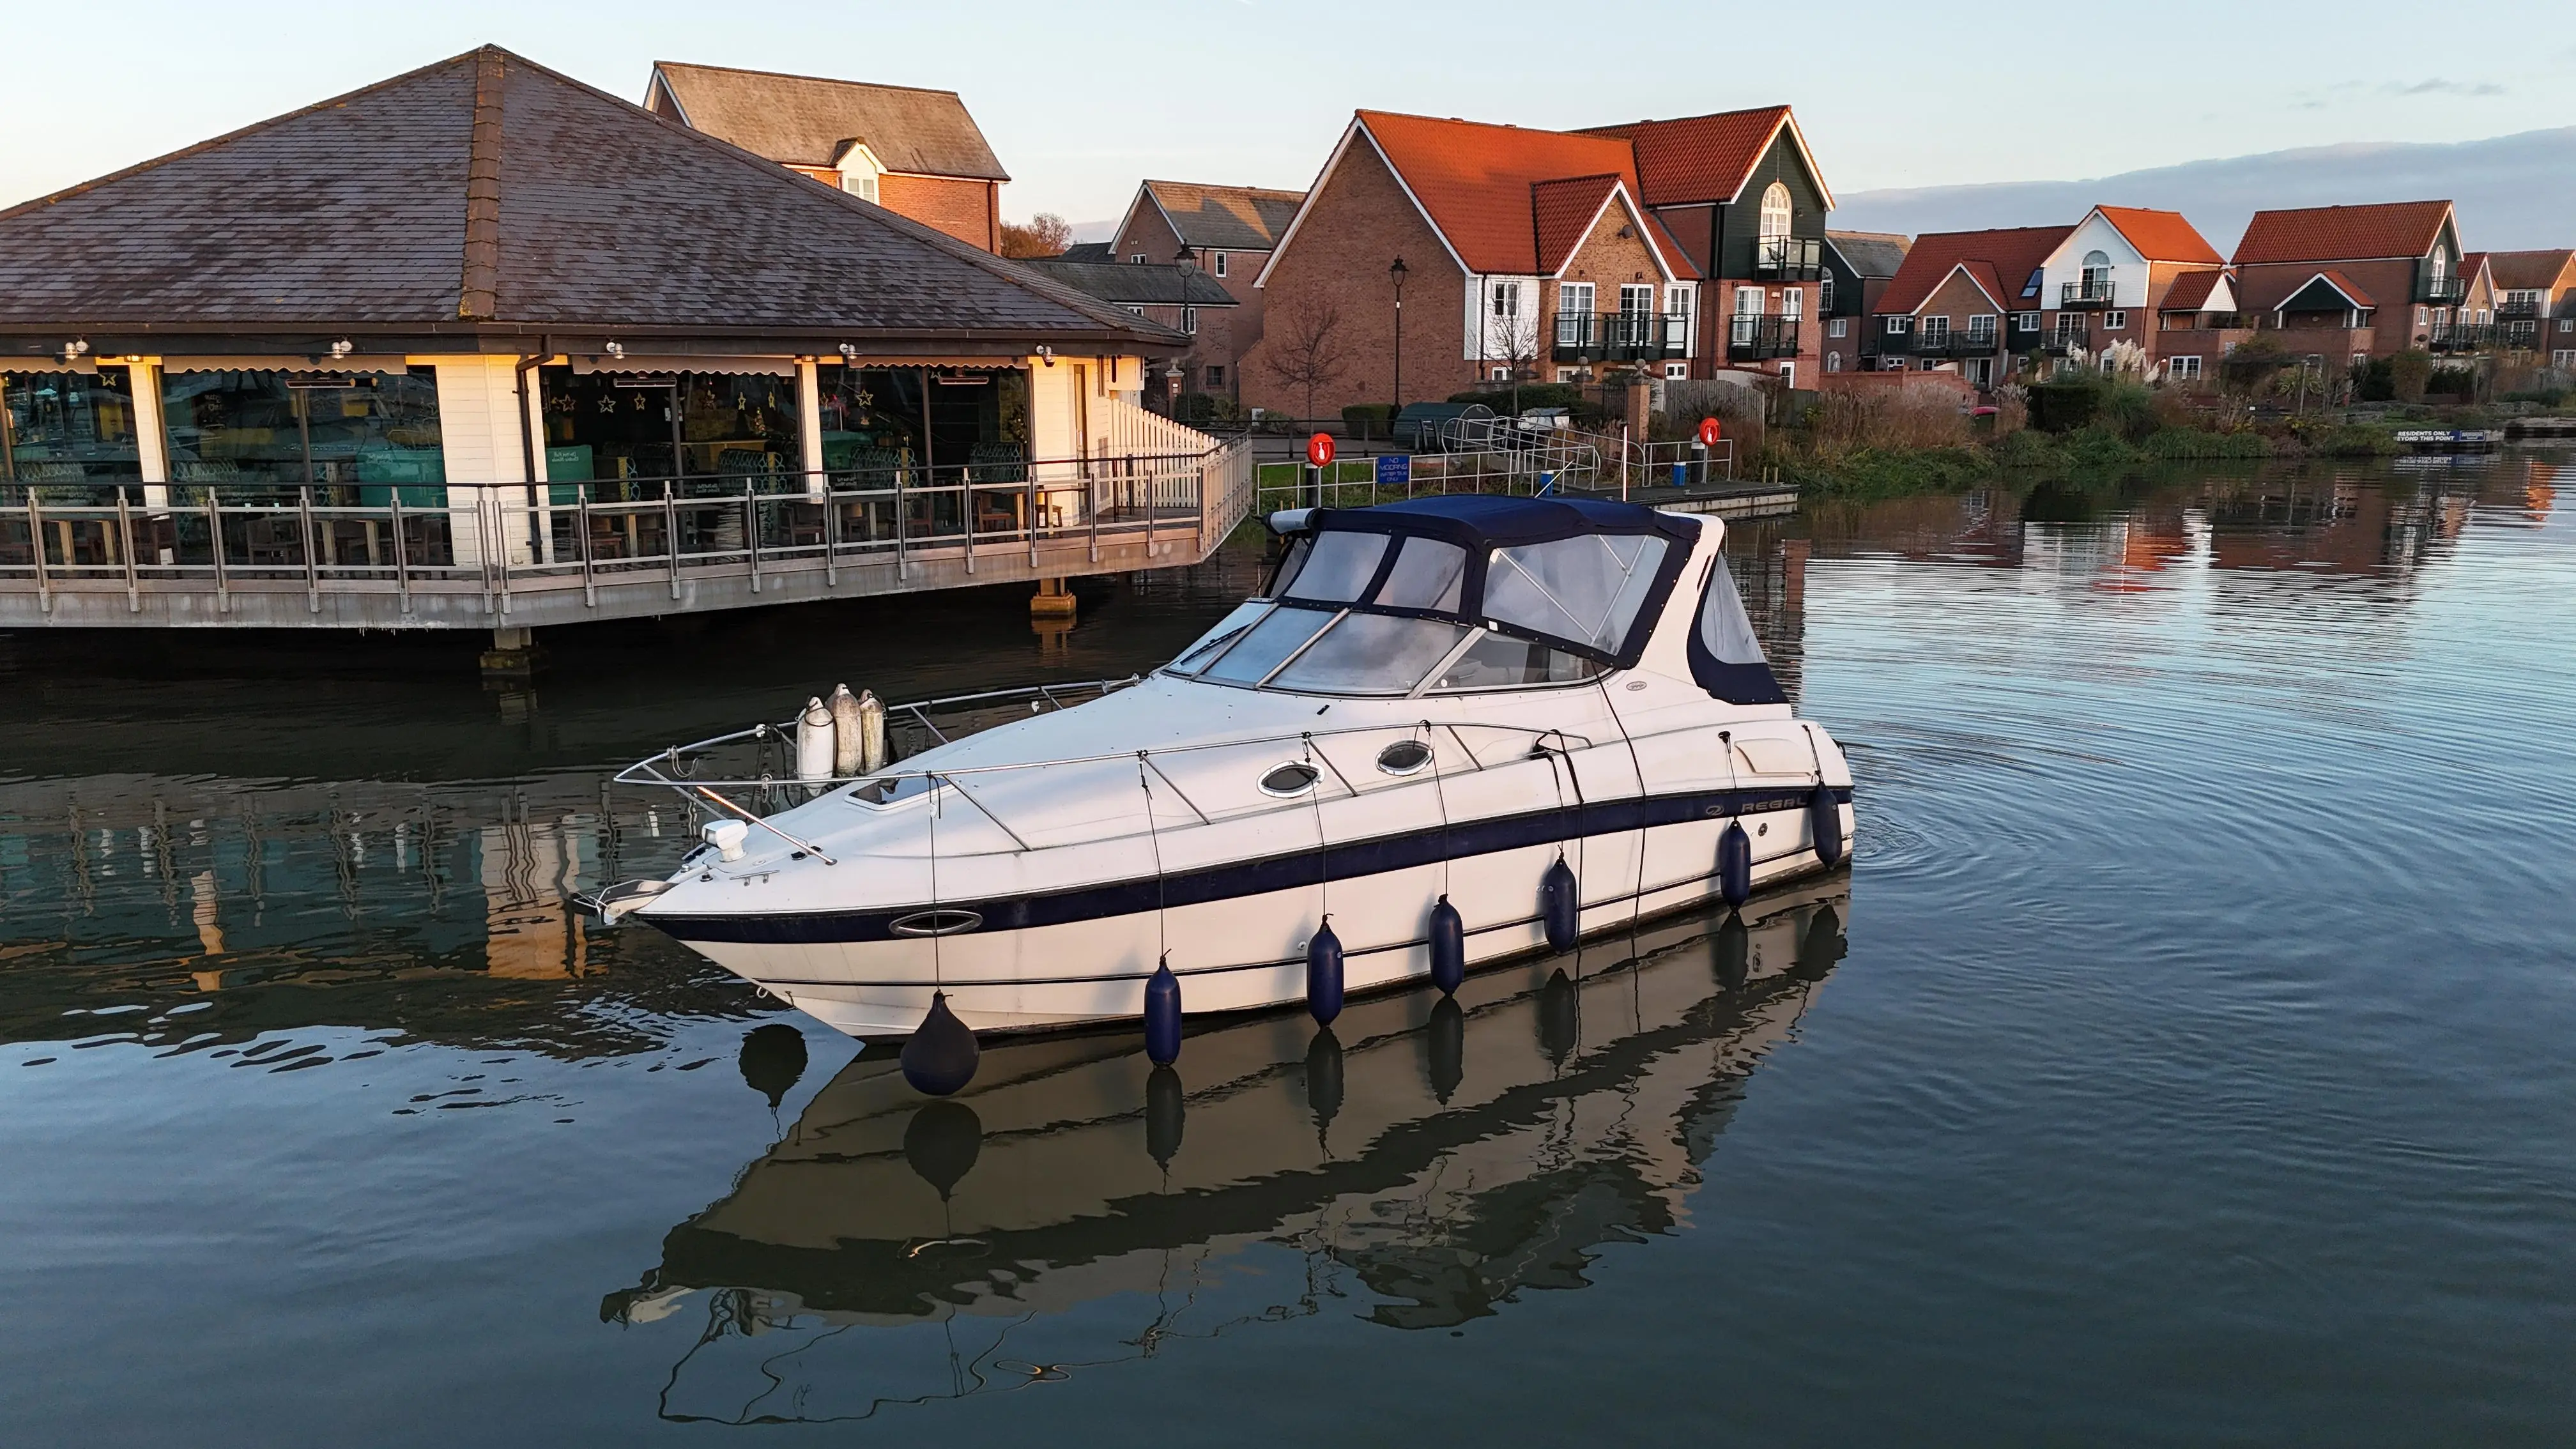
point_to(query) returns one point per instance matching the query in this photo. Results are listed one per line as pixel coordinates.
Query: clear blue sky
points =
(1081, 100)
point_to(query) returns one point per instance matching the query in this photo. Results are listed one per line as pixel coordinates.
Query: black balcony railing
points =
(2436, 287)
(1621, 336)
(2525, 335)
(2067, 340)
(2517, 308)
(2461, 337)
(2090, 294)
(1954, 343)
(1753, 339)
(1788, 258)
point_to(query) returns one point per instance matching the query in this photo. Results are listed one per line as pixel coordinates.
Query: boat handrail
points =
(651, 769)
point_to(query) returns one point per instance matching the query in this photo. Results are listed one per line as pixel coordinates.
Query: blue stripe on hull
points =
(1340, 861)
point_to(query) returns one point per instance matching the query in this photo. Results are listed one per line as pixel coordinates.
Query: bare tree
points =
(1508, 332)
(1305, 348)
(1045, 235)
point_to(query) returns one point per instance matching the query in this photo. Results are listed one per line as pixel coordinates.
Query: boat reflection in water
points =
(1423, 1161)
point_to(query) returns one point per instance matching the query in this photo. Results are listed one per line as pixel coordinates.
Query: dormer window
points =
(859, 169)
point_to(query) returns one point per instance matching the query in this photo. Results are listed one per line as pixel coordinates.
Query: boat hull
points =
(1240, 951)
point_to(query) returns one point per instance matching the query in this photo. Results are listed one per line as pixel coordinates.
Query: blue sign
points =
(1394, 470)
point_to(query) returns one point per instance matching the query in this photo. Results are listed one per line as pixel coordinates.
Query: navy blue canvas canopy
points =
(1518, 566)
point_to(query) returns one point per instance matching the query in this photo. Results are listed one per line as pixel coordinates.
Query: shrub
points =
(1209, 410)
(2098, 447)
(2027, 449)
(2127, 407)
(1368, 420)
(2064, 405)
(2458, 382)
(2175, 443)
(2408, 372)
(1532, 395)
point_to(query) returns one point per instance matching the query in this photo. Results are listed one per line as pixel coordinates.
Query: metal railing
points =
(2432, 287)
(1621, 336)
(2092, 293)
(1951, 342)
(1753, 338)
(628, 535)
(2461, 337)
(1787, 258)
(2518, 309)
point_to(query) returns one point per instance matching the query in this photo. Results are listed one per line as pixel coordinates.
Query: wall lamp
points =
(75, 348)
(615, 349)
(343, 347)
(849, 352)
(1046, 354)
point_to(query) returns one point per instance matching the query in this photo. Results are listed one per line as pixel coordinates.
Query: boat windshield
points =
(1372, 654)
(1584, 589)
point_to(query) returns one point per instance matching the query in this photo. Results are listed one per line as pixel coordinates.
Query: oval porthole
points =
(1293, 778)
(1404, 757)
(935, 923)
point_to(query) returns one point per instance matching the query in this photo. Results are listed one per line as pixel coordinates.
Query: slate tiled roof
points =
(1090, 252)
(2343, 233)
(1701, 158)
(1477, 182)
(1154, 283)
(2191, 290)
(2002, 260)
(2532, 271)
(1226, 218)
(800, 120)
(1871, 253)
(2160, 236)
(407, 205)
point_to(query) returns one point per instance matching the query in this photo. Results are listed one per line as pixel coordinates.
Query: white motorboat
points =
(1548, 715)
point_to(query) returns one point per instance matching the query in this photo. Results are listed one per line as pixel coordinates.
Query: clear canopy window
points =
(1498, 661)
(1263, 647)
(1428, 574)
(1723, 629)
(1586, 590)
(1212, 643)
(1372, 654)
(1337, 568)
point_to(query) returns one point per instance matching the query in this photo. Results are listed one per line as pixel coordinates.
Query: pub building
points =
(484, 276)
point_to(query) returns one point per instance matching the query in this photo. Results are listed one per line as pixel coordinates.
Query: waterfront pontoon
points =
(1549, 714)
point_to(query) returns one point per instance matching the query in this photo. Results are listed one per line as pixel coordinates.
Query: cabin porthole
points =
(1289, 780)
(1404, 757)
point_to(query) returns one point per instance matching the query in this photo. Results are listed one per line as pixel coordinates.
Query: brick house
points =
(1226, 233)
(1746, 201)
(916, 153)
(2351, 283)
(1968, 302)
(1524, 251)
(2468, 329)
(2106, 284)
(1173, 294)
(1858, 265)
(2197, 325)
(2536, 303)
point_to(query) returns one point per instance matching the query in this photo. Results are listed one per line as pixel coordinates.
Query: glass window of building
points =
(291, 428)
(712, 431)
(68, 427)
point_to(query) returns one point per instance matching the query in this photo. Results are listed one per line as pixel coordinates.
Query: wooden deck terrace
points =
(521, 556)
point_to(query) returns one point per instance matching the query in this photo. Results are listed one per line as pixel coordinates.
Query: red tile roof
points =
(1478, 183)
(2531, 271)
(1700, 158)
(2160, 236)
(1563, 212)
(2190, 290)
(2343, 233)
(2008, 256)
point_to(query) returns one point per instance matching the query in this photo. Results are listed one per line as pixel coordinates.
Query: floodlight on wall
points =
(75, 348)
(616, 349)
(1046, 354)
(849, 352)
(343, 347)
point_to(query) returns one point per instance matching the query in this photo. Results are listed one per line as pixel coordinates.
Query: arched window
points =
(1775, 210)
(2097, 277)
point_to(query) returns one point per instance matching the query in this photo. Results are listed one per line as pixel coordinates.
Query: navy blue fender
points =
(941, 1057)
(1735, 864)
(1560, 906)
(1163, 1016)
(1825, 822)
(1324, 975)
(1448, 947)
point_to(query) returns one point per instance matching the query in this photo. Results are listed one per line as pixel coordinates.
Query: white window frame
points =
(1834, 327)
(1833, 362)
(1896, 324)
(2567, 324)
(1636, 299)
(2025, 321)
(1754, 295)
(1504, 299)
(1934, 328)
(1793, 303)
(1824, 291)
(1985, 334)
(1677, 371)
(2564, 357)
(2181, 369)
(1568, 292)
(1190, 320)
(2115, 320)
(1775, 222)
(1218, 263)
(1136, 259)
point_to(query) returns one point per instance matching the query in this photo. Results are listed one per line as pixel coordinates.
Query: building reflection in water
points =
(1423, 1163)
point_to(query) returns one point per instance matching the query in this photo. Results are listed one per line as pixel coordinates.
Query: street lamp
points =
(1395, 274)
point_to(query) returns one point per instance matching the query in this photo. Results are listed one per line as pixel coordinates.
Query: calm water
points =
(2187, 1058)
